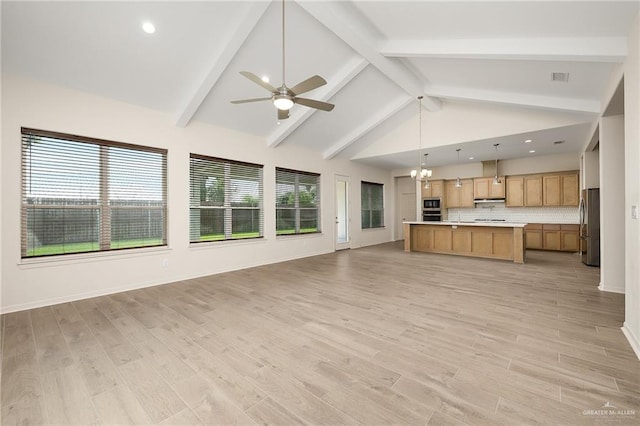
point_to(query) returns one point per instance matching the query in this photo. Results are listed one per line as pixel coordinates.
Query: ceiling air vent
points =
(560, 76)
(558, 142)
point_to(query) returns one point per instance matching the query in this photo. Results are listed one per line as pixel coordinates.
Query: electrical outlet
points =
(634, 212)
(165, 263)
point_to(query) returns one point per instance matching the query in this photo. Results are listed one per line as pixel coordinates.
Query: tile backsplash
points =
(516, 214)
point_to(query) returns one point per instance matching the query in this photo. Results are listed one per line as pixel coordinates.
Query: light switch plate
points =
(634, 212)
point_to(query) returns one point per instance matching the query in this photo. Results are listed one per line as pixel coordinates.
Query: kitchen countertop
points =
(456, 223)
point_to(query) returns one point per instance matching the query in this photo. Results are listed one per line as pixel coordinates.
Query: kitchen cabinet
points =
(515, 192)
(557, 237)
(551, 190)
(484, 188)
(533, 191)
(548, 189)
(570, 238)
(435, 190)
(533, 236)
(570, 194)
(551, 237)
(458, 197)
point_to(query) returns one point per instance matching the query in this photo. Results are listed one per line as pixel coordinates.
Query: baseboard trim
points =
(632, 338)
(611, 290)
(144, 284)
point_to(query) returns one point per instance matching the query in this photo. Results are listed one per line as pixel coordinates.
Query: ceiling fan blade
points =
(283, 114)
(258, 80)
(324, 106)
(308, 85)
(244, 101)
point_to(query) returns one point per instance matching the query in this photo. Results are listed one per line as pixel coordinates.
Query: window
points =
(84, 195)
(372, 205)
(297, 202)
(225, 200)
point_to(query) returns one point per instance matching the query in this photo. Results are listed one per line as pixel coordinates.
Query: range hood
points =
(488, 200)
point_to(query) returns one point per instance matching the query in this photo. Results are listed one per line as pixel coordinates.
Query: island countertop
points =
(494, 240)
(497, 224)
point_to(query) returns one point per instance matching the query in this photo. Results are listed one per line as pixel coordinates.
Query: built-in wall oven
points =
(431, 209)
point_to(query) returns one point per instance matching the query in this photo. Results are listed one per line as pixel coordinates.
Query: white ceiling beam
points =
(374, 121)
(349, 26)
(520, 99)
(232, 44)
(351, 69)
(589, 49)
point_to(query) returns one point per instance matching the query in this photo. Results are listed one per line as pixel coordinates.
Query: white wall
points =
(631, 326)
(32, 283)
(591, 169)
(481, 121)
(516, 166)
(612, 204)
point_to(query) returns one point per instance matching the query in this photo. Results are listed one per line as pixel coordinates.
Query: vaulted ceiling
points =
(474, 60)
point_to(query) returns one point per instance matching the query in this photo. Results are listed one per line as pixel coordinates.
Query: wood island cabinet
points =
(458, 197)
(484, 188)
(435, 190)
(551, 236)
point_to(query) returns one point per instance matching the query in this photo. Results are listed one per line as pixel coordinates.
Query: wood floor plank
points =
(156, 397)
(372, 336)
(119, 406)
(66, 398)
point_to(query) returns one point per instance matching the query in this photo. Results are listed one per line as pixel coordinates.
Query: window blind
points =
(226, 201)
(83, 194)
(372, 198)
(297, 202)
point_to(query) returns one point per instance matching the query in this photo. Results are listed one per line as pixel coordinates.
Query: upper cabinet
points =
(515, 191)
(533, 191)
(458, 197)
(561, 190)
(549, 189)
(484, 188)
(435, 190)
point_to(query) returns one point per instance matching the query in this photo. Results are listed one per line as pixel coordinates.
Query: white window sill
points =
(71, 259)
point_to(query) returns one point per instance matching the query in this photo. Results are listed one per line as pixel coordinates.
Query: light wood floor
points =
(372, 336)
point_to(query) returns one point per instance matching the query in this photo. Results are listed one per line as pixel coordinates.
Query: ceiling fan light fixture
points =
(283, 102)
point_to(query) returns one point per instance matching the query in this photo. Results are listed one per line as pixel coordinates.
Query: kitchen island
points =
(499, 240)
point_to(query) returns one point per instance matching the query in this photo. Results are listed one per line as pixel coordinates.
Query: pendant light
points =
(458, 181)
(496, 180)
(420, 173)
(427, 185)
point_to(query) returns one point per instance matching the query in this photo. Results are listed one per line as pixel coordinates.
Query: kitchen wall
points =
(567, 215)
(631, 326)
(36, 282)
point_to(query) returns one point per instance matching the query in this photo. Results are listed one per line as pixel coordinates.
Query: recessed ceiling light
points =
(470, 158)
(527, 141)
(148, 27)
(265, 78)
(532, 151)
(278, 123)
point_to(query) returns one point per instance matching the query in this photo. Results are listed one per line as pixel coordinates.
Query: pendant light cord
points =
(419, 170)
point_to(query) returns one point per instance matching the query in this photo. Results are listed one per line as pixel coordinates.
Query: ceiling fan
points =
(284, 97)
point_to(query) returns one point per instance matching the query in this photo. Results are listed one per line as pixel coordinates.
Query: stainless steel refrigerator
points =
(590, 226)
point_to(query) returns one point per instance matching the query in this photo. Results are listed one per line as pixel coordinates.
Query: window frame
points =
(226, 207)
(297, 208)
(363, 208)
(104, 204)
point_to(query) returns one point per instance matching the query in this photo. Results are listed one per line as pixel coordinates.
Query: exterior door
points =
(343, 217)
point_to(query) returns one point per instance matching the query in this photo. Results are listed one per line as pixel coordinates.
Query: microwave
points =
(431, 203)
